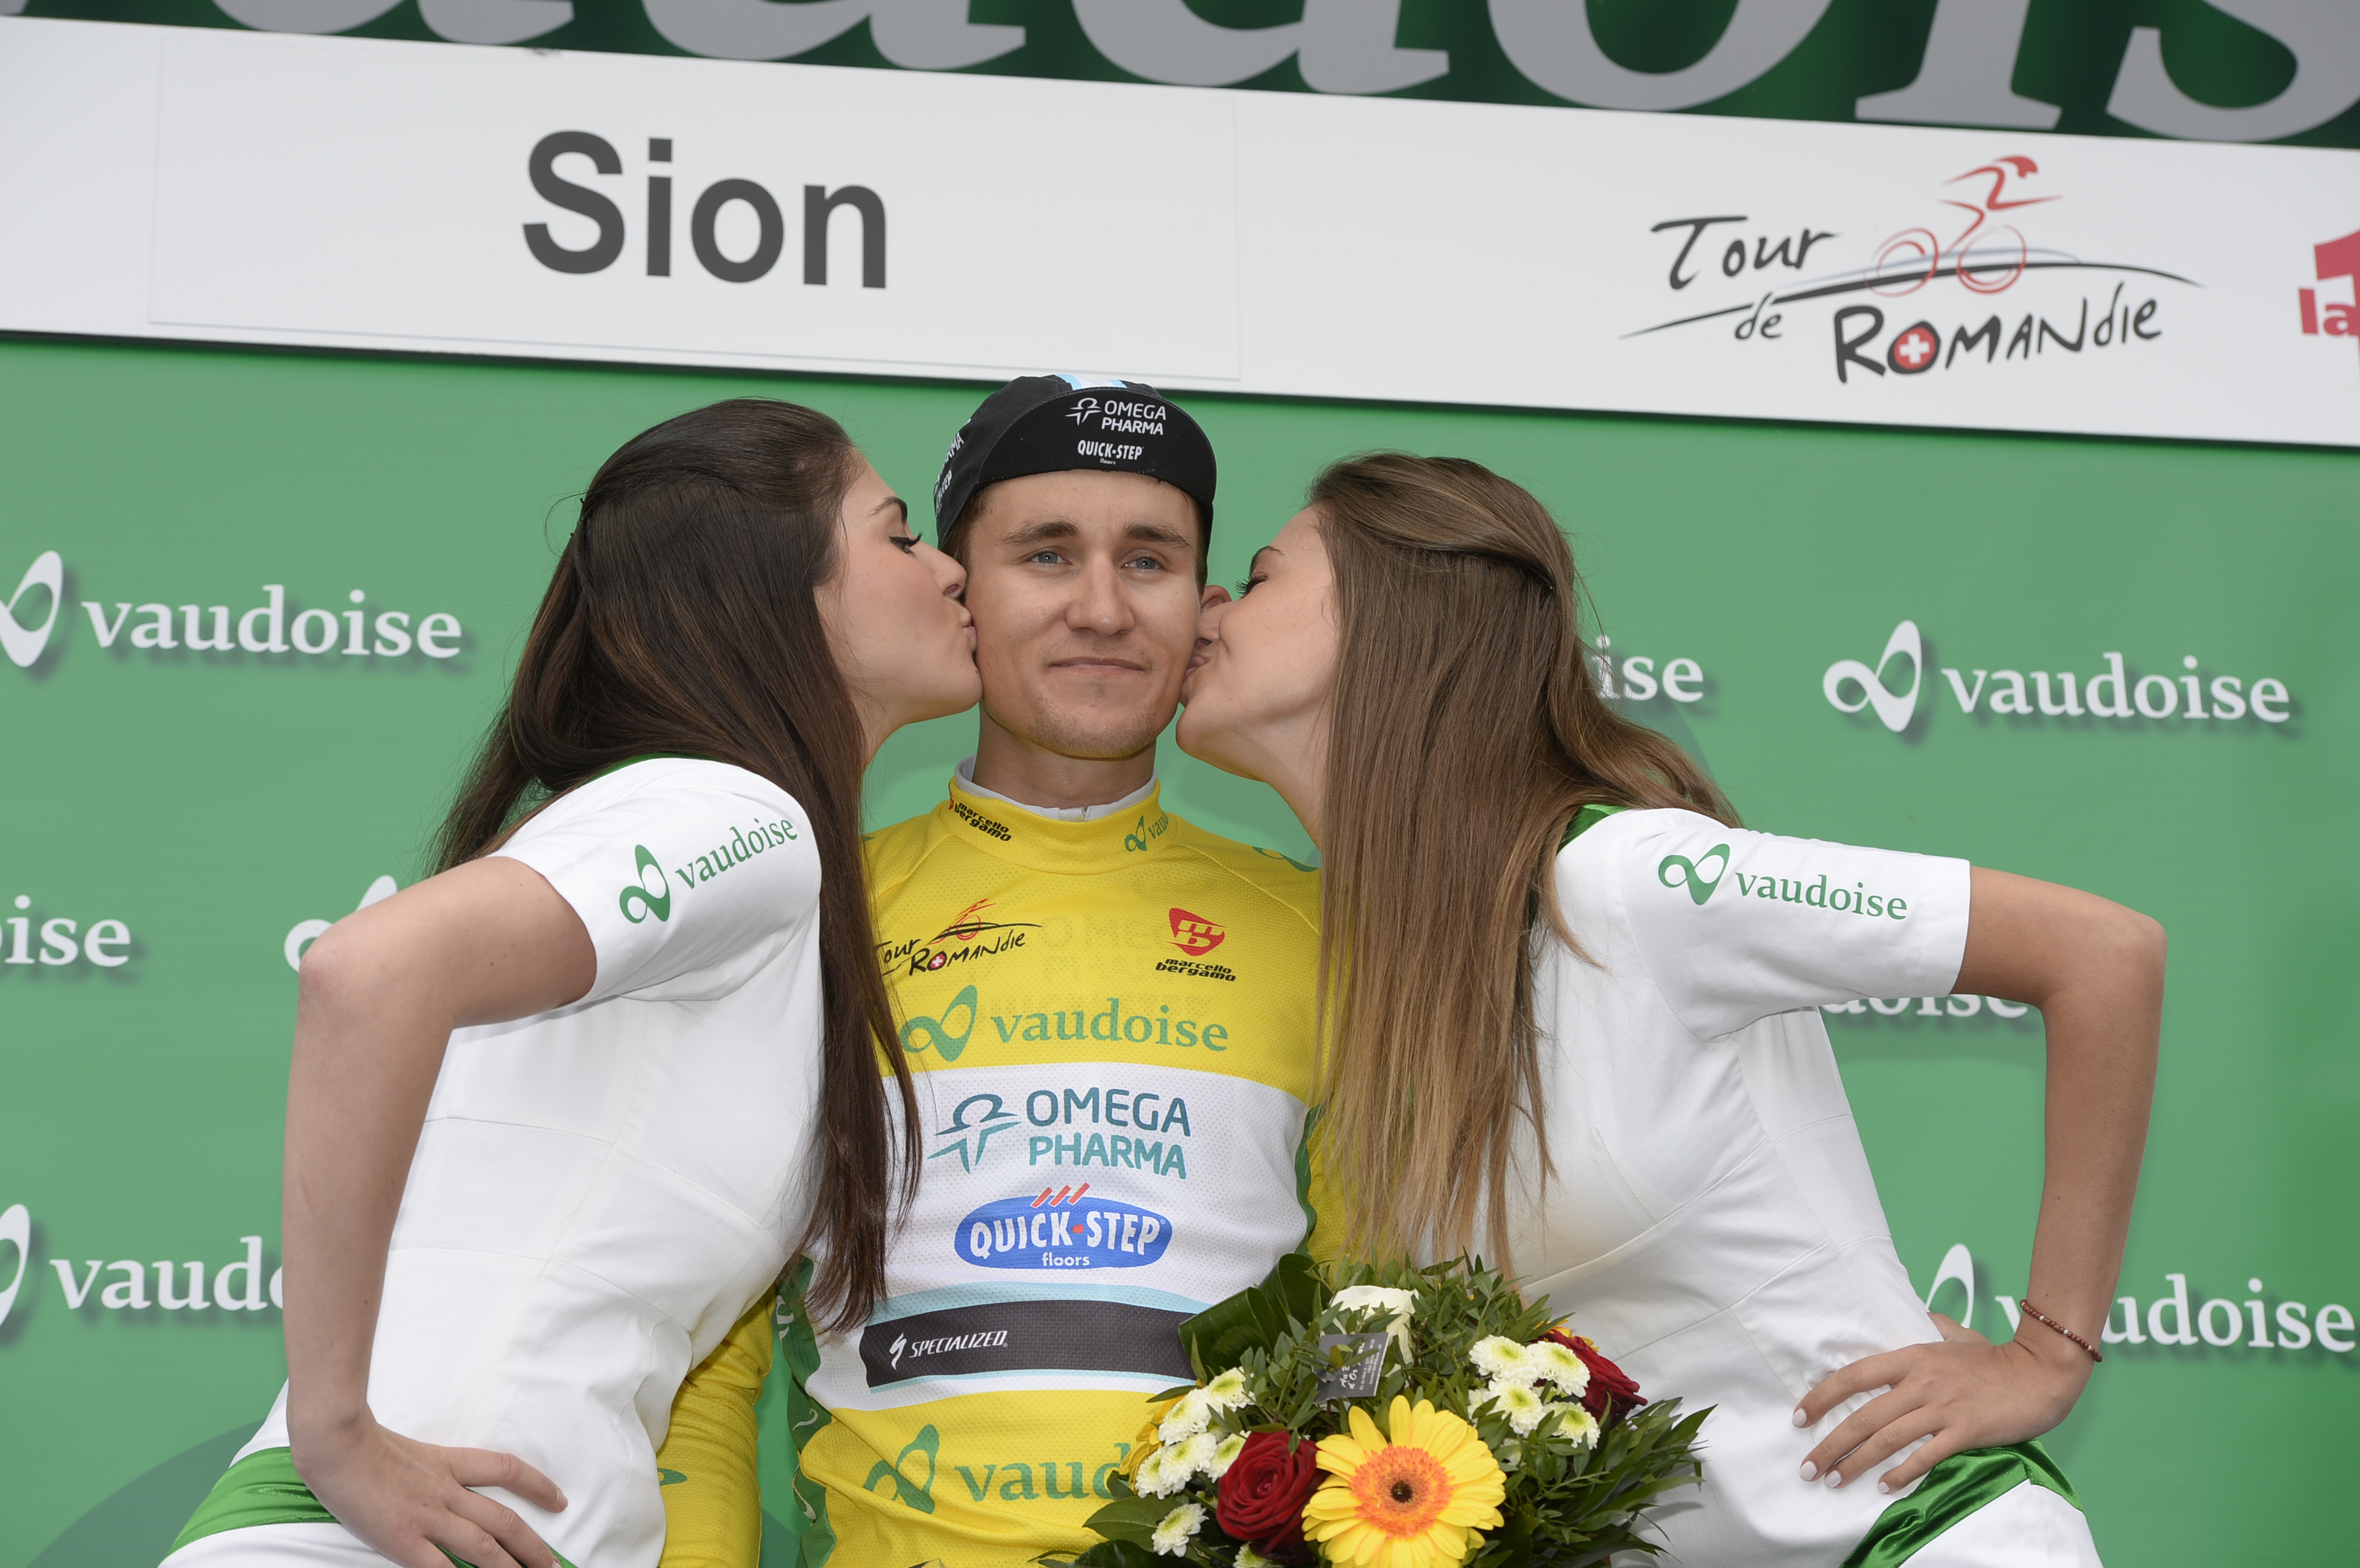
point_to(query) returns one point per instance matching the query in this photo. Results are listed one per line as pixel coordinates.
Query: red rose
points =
(1613, 1392)
(1262, 1494)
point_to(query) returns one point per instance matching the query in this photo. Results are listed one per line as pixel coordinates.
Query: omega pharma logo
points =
(2190, 694)
(271, 627)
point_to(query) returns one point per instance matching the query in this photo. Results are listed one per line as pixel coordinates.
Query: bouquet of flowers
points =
(1393, 1417)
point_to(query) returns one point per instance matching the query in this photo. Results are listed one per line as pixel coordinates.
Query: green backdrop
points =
(212, 802)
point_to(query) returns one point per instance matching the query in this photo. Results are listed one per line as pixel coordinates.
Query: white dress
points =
(1713, 1224)
(600, 1191)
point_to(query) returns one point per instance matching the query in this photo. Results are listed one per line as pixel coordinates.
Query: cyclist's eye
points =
(1148, 562)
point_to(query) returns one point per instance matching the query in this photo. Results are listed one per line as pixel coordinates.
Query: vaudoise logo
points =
(356, 629)
(2112, 691)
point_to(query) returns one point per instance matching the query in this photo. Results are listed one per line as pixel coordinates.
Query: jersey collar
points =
(1009, 832)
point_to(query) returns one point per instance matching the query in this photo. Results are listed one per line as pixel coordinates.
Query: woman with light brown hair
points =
(1571, 1023)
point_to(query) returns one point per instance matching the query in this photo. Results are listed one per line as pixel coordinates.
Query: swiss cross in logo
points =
(1915, 349)
(1194, 934)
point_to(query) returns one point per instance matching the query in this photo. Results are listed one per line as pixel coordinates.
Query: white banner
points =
(353, 193)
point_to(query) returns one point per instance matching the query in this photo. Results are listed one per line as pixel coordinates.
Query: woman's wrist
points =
(2052, 1352)
(315, 1432)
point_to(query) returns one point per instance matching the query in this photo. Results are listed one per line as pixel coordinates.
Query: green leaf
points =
(1255, 1318)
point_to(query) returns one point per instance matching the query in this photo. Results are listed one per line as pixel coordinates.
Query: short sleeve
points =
(687, 873)
(1734, 926)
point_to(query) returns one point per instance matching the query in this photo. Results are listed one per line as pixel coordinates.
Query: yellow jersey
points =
(1110, 1024)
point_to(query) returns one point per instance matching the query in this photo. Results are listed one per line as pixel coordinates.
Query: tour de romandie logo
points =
(2190, 694)
(967, 938)
(1964, 261)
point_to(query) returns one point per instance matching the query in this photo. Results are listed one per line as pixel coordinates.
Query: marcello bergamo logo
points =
(2114, 692)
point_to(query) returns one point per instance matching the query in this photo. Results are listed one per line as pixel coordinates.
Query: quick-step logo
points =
(1063, 1228)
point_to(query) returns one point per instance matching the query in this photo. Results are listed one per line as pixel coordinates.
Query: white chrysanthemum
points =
(1228, 1391)
(1577, 1423)
(1178, 1528)
(1157, 1476)
(1225, 1453)
(1504, 1361)
(1194, 1456)
(1560, 1368)
(1523, 1408)
(1249, 1557)
(1186, 1418)
(1402, 1304)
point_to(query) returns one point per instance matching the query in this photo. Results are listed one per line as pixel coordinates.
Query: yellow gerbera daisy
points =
(1416, 1500)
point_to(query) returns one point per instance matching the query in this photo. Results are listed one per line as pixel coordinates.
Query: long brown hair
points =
(1466, 733)
(684, 618)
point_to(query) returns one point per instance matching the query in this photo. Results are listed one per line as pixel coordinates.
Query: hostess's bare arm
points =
(2096, 971)
(380, 993)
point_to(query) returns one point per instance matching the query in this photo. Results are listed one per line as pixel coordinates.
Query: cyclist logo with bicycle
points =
(1985, 255)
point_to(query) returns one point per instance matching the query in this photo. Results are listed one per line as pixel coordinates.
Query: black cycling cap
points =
(1054, 424)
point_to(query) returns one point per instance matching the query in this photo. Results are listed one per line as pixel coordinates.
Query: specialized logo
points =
(922, 1036)
(1063, 1228)
(306, 932)
(23, 644)
(639, 900)
(998, 1337)
(2111, 693)
(1693, 873)
(1194, 934)
(965, 939)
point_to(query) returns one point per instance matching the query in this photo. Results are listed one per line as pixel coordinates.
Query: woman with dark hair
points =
(1570, 1016)
(560, 1115)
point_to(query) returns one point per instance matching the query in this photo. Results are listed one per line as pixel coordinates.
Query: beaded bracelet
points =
(2037, 1315)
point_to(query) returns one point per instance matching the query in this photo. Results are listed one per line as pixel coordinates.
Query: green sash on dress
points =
(262, 1489)
(1953, 1489)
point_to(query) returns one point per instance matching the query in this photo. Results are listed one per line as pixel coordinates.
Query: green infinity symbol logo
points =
(1692, 872)
(655, 900)
(939, 1039)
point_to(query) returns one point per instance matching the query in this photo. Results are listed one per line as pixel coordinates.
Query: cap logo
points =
(1082, 410)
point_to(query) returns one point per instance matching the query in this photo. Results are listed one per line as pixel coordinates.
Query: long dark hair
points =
(684, 618)
(1466, 733)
